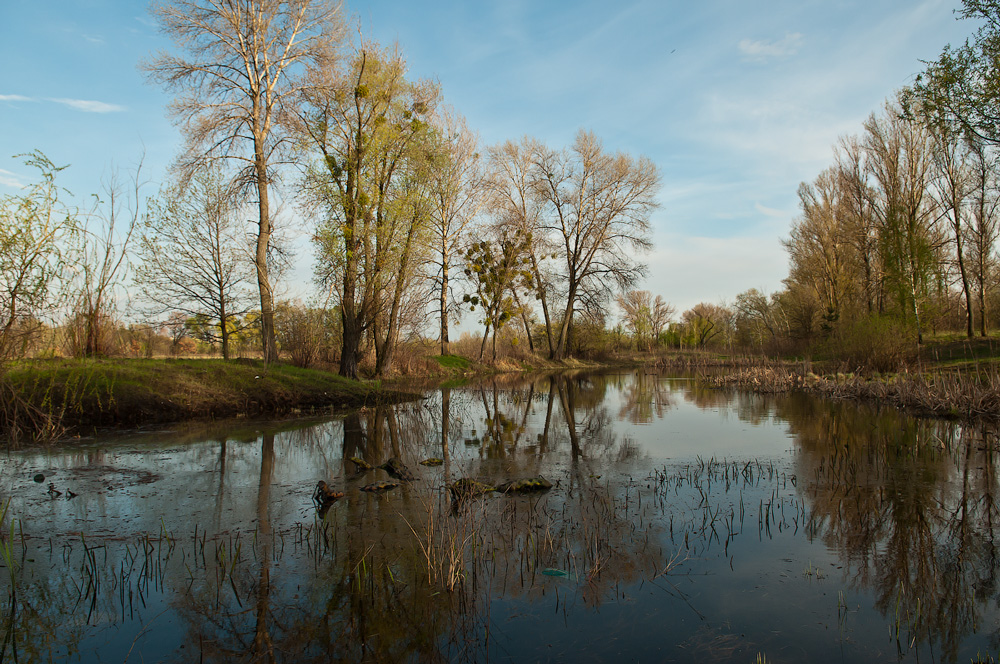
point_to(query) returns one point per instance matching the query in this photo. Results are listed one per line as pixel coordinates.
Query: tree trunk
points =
(444, 305)
(267, 338)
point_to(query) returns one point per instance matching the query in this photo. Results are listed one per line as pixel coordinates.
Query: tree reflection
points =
(911, 505)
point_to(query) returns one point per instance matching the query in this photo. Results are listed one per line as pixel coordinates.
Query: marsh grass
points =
(961, 393)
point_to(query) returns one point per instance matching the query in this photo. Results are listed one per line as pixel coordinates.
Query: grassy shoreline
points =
(46, 399)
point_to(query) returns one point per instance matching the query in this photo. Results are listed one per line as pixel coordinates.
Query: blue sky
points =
(736, 101)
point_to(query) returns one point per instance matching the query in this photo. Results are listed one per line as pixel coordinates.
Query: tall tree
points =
(950, 187)
(899, 163)
(369, 125)
(247, 62)
(191, 258)
(457, 189)
(599, 207)
(516, 203)
(984, 222)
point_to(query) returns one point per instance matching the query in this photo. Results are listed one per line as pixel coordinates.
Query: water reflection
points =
(684, 524)
(911, 508)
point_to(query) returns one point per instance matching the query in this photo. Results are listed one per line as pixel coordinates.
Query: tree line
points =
(897, 238)
(280, 106)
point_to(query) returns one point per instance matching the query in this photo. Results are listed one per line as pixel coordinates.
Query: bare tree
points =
(190, 255)
(457, 192)
(599, 206)
(106, 235)
(516, 203)
(248, 61)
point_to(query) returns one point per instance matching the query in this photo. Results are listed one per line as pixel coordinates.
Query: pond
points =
(683, 525)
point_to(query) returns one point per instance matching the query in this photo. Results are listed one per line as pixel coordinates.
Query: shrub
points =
(873, 343)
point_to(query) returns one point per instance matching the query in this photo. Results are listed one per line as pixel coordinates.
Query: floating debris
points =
(467, 488)
(526, 485)
(549, 571)
(360, 463)
(39, 478)
(324, 494)
(433, 461)
(53, 491)
(381, 485)
(397, 469)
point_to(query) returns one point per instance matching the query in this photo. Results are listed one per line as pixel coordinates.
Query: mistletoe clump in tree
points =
(500, 271)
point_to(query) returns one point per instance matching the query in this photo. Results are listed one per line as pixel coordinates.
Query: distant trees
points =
(248, 61)
(645, 316)
(192, 257)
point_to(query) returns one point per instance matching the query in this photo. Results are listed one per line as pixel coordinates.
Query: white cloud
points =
(772, 212)
(688, 270)
(15, 98)
(88, 106)
(763, 50)
(9, 179)
(93, 39)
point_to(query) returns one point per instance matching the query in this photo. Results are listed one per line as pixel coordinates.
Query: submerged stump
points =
(467, 487)
(380, 486)
(525, 485)
(397, 469)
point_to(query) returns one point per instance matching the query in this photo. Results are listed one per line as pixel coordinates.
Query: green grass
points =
(116, 392)
(453, 362)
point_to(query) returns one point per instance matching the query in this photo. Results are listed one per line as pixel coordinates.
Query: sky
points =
(736, 101)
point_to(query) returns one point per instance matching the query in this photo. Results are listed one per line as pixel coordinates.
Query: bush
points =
(874, 343)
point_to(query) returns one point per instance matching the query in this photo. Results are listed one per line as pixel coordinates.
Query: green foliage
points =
(37, 239)
(963, 84)
(499, 270)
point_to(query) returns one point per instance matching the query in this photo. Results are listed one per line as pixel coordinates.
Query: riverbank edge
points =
(59, 398)
(945, 394)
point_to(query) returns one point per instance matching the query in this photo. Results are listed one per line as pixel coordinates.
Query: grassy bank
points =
(43, 398)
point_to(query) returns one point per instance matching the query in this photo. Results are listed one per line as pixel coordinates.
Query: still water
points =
(683, 525)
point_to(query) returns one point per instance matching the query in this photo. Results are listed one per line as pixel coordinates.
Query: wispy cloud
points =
(771, 212)
(89, 106)
(85, 105)
(94, 39)
(9, 179)
(762, 50)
